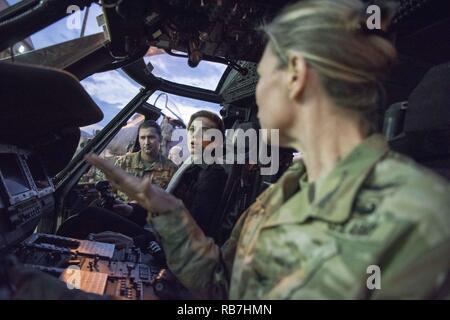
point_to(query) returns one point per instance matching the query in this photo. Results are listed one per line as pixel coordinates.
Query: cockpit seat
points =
(420, 127)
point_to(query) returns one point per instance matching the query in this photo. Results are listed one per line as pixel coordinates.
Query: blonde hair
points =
(351, 64)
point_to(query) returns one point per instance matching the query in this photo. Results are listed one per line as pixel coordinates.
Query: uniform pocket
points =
(161, 178)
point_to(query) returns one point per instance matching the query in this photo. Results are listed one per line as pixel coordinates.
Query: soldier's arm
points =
(199, 264)
(410, 245)
(400, 267)
(419, 267)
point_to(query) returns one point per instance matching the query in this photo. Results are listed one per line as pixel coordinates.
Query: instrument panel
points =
(91, 266)
(26, 194)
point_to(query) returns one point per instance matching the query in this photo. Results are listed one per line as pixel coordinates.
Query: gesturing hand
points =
(151, 197)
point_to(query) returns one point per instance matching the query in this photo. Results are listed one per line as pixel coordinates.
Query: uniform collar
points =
(335, 194)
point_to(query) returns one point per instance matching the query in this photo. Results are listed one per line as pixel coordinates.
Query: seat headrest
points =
(232, 139)
(429, 103)
(38, 101)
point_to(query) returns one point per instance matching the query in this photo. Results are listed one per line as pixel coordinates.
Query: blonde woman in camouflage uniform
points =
(350, 207)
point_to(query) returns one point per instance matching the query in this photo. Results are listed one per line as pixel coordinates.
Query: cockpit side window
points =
(111, 90)
(78, 24)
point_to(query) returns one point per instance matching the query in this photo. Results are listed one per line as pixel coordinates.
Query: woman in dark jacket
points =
(199, 183)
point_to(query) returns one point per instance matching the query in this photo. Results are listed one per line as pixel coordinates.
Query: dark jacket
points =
(201, 189)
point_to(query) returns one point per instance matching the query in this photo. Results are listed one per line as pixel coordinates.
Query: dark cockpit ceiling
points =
(224, 31)
(227, 31)
(419, 28)
(229, 28)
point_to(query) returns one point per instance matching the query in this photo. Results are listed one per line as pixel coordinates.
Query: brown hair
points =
(211, 116)
(150, 124)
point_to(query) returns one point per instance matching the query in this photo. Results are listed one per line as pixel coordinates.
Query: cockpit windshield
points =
(175, 69)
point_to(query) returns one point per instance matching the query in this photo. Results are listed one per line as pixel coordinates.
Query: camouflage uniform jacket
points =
(160, 171)
(303, 240)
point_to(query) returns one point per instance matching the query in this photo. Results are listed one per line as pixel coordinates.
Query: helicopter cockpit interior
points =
(44, 105)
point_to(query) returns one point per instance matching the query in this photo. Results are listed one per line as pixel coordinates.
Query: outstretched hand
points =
(151, 197)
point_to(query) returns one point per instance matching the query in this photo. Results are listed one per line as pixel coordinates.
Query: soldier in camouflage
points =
(160, 169)
(353, 219)
(148, 162)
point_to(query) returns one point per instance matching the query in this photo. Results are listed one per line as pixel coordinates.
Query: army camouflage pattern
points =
(303, 240)
(160, 171)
